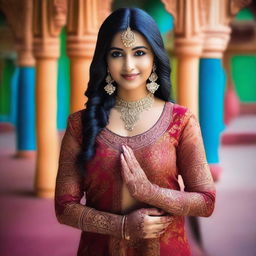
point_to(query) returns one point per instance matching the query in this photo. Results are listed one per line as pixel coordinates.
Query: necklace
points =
(130, 111)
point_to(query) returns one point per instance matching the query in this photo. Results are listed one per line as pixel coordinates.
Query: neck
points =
(132, 95)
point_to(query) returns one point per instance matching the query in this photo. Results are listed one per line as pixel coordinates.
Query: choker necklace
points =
(130, 111)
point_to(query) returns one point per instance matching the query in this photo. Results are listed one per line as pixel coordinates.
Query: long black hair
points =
(99, 103)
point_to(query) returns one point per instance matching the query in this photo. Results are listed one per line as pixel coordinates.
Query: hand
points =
(146, 224)
(135, 178)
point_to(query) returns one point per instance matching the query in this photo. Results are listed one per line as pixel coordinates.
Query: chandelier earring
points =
(152, 86)
(109, 88)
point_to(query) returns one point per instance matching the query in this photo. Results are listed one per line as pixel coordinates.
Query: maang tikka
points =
(128, 37)
(153, 86)
(109, 88)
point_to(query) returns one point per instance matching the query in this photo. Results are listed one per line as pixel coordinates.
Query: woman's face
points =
(130, 67)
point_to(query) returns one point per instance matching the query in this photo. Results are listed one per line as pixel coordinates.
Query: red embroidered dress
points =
(172, 147)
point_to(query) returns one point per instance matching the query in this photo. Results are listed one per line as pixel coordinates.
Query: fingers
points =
(148, 226)
(153, 212)
(130, 151)
(154, 233)
(159, 220)
(154, 226)
(130, 158)
(125, 169)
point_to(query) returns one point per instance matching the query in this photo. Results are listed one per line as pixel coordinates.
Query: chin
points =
(132, 86)
(129, 88)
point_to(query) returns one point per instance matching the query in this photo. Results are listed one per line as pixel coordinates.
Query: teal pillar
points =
(211, 109)
(63, 84)
(8, 91)
(25, 133)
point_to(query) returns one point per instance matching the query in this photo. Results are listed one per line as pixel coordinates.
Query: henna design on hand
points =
(200, 203)
(146, 224)
(134, 225)
(135, 178)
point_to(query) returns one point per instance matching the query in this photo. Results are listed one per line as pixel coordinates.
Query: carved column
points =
(84, 20)
(188, 42)
(19, 16)
(212, 77)
(49, 17)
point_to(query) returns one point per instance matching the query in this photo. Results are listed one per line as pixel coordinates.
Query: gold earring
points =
(153, 86)
(109, 88)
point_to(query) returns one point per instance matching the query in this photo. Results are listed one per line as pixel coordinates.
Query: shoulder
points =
(75, 124)
(76, 118)
(180, 115)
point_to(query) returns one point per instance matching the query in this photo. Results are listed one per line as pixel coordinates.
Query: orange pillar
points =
(84, 19)
(188, 42)
(49, 18)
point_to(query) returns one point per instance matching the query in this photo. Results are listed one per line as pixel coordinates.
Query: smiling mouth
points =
(129, 76)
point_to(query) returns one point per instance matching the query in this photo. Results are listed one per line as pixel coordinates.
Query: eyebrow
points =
(135, 48)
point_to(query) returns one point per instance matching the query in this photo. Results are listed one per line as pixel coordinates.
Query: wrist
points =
(151, 194)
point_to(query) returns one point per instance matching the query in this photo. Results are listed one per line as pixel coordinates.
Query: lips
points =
(129, 77)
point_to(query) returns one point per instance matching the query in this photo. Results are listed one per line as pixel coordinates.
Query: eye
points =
(139, 53)
(116, 54)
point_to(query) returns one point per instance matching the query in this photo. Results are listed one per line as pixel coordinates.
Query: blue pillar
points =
(211, 107)
(14, 95)
(26, 110)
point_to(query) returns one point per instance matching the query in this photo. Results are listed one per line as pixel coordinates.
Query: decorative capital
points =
(48, 19)
(189, 18)
(217, 30)
(84, 20)
(215, 41)
(19, 17)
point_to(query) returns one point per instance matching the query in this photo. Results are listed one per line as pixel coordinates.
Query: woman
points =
(124, 152)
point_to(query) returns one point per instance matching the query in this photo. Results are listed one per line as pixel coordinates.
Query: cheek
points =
(113, 67)
(146, 65)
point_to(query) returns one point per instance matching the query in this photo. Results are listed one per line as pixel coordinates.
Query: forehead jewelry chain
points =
(130, 111)
(128, 38)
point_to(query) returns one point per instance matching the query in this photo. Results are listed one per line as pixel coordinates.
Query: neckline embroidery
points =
(138, 141)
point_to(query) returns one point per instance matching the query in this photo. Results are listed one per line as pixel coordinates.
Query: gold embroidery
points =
(176, 139)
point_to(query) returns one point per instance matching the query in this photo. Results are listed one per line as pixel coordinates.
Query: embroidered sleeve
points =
(69, 190)
(198, 199)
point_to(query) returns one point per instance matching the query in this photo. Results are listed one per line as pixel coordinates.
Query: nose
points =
(128, 63)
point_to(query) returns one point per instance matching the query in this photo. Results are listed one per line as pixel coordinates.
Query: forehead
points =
(139, 38)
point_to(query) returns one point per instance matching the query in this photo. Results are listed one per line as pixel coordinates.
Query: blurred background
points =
(46, 47)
